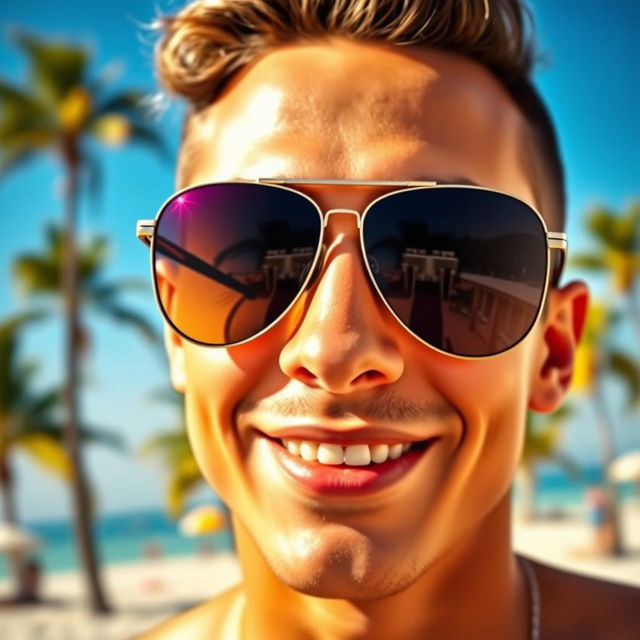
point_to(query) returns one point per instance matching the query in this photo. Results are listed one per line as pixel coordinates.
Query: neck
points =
(474, 590)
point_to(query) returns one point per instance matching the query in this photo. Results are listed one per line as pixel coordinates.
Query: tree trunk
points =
(15, 558)
(83, 515)
(605, 433)
(634, 309)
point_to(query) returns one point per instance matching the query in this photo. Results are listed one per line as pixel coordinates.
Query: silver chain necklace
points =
(534, 598)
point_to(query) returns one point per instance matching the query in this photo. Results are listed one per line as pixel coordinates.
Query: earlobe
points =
(562, 330)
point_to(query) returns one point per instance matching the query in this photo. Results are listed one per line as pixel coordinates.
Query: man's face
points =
(339, 365)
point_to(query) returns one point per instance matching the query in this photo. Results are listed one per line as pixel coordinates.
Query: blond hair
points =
(209, 41)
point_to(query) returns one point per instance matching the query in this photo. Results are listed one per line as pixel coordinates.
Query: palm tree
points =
(58, 110)
(596, 358)
(28, 422)
(39, 274)
(173, 449)
(618, 252)
(542, 438)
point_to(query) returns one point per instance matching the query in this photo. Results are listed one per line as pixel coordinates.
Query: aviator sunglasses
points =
(464, 269)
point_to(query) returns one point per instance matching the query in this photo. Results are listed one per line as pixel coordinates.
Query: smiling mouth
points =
(354, 469)
(354, 455)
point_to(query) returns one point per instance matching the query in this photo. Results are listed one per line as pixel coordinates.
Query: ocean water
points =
(123, 537)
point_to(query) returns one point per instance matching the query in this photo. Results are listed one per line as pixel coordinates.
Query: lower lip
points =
(340, 480)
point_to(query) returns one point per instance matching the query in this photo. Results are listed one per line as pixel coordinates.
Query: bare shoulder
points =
(576, 606)
(207, 620)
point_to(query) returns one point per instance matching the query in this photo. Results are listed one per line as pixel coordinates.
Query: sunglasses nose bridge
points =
(352, 212)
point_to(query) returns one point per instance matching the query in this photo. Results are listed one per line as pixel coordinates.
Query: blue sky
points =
(589, 81)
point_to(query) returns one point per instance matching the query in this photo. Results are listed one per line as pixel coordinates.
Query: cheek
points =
(217, 380)
(215, 383)
(491, 396)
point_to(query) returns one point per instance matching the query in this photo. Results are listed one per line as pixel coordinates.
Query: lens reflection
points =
(463, 268)
(230, 258)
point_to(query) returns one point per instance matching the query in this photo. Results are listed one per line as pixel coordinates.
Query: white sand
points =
(143, 594)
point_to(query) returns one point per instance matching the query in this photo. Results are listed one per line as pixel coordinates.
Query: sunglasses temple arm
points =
(557, 264)
(174, 252)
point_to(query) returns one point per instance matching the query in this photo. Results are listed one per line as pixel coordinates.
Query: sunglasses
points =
(464, 269)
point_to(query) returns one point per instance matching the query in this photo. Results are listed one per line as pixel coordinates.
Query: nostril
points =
(304, 375)
(370, 375)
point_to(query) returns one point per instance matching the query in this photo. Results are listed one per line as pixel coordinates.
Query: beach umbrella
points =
(626, 468)
(14, 539)
(202, 520)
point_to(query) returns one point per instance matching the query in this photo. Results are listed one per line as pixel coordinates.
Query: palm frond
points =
(14, 159)
(185, 479)
(627, 369)
(170, 446)
(103, 436)
(148, 136)
(12, 377)
(614, 231)
(133, 319)
(128, 103)
(36, 274)
(104, 293)
(588, 261)
(168, 395)
(55, 67)
(19, 112)
(92, 257)
(47, 452)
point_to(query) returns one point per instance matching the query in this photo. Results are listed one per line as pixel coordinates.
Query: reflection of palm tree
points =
(618, 252)
(541, 444)
(28, 422)
(274, 235)
(595, 359)
(58, 111)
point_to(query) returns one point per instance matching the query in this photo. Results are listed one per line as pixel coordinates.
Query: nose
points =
(345, 340)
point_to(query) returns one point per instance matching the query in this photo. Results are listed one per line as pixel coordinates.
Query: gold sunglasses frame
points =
(146, 229)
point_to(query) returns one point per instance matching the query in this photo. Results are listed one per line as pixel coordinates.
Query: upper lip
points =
(346, 436)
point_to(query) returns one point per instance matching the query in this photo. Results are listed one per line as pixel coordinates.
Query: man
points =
(356, 385)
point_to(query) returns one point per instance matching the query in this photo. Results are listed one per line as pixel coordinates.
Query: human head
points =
(209, 42)
(303, 106)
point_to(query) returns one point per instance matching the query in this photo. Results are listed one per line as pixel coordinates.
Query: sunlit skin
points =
(431, 556)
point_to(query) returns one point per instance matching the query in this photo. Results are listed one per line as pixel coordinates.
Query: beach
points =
(146, 592)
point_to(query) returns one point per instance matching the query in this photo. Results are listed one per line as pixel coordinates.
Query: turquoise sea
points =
(122, 537)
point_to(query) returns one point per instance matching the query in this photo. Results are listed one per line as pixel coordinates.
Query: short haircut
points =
(209, 41)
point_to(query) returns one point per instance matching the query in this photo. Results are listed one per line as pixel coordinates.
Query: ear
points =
(562, 328)
(173, 341)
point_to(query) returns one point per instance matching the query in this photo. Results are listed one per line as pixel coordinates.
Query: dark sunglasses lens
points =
(229, 259)
(464, 269)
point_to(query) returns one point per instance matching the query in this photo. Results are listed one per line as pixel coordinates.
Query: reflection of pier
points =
(486, 313)
(284, 264)
(420, 266)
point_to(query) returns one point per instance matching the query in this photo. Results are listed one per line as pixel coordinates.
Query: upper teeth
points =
(354, 454)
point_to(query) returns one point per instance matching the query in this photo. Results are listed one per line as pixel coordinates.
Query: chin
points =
(350, 570)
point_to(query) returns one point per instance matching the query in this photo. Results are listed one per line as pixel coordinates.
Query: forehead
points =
(345, 110)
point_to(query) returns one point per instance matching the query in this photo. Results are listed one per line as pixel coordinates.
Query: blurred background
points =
(106, 512)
